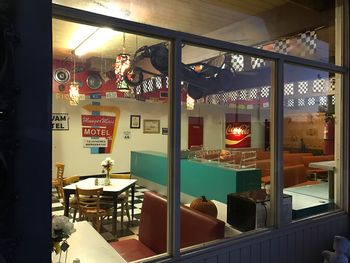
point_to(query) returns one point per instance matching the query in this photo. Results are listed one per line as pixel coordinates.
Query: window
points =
(311, 141)
(275, 25)
(233, 104)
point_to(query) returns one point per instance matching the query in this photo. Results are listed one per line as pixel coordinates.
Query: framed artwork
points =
(164, 131)
(135, 121)
(151, 126)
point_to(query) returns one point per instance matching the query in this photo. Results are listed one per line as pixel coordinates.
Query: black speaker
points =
(241, 212)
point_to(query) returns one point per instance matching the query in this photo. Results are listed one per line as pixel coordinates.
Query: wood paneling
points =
(302, 243)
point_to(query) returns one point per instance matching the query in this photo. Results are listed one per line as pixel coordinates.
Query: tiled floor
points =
(106, 229)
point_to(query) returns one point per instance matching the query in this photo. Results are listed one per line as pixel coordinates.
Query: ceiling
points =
(248, 22)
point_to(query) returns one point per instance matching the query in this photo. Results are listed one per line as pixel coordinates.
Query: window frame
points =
(276, 137)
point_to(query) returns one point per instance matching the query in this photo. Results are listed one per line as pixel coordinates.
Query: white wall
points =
(67, 146)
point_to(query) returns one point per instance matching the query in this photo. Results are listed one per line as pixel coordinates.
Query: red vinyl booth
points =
(196, 228)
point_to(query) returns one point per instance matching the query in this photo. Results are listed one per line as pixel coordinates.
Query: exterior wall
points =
(300, 242)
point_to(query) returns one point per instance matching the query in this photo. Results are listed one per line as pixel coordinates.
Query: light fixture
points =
(91, 39)
(189, 103)
(74, 88)
(122, 62)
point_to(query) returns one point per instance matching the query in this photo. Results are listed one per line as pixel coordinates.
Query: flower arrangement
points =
(60, 232)
(107, 166)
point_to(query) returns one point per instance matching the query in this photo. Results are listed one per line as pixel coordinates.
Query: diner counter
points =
(197, 178)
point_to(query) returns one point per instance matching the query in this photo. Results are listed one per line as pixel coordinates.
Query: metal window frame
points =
(176, 39)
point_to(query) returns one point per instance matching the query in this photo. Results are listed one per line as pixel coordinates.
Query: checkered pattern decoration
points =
(311, 101)
(302, 87)
(332, 83)
(138, 89)
(213, 99)
(265, 92)
(318, 85)
(233, 95)
(290, 103)
(167, 82)
(253, 94)
(158, 82)
(225, 97)
(288, 89)
(301, 102)
(237, 62)
(243, 95)
(323, 100)
(306, 43)
(148, 86)
(282, 46)
(257, 62)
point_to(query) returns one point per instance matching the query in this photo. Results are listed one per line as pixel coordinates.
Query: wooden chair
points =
(123, 198)
(73, 203)
(91, 207)
(58, 182)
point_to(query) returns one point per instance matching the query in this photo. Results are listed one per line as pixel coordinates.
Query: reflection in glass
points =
(226, 136)
(313, 37)
(310, 100)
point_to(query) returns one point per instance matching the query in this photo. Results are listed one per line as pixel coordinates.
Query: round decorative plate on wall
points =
(94, 81)
(61, 75)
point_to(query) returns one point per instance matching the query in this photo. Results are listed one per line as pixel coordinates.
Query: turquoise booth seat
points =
(197, 178)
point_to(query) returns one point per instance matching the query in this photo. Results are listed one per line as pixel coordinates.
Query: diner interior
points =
(110, 123)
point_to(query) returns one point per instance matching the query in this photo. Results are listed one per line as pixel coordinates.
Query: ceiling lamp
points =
(122, 62)
(74, 88)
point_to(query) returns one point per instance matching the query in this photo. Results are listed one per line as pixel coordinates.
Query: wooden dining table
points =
(116, 187)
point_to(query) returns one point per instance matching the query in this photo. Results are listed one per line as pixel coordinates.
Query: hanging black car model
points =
(203, 78)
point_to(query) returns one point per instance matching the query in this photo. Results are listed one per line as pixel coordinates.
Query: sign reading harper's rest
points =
(59, 121)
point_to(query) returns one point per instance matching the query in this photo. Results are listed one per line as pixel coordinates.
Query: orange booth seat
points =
(294, 175)
(196, 228)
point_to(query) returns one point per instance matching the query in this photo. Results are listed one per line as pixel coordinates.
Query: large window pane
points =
(225, 141)
(311, 124)
(271, 25)
(116, 115)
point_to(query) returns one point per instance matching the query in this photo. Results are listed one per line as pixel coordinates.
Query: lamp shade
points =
(122, 62)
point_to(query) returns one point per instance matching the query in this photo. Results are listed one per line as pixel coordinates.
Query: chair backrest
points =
(121, 176)
(89, 200)
(71, 179)
(60, 170)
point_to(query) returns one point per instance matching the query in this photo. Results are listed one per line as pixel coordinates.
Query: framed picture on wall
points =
(151, 126)
(135, 121)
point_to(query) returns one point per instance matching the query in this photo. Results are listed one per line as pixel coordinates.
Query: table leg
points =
(331, 185)
(114, 217)
(66, 203)
(132, 203)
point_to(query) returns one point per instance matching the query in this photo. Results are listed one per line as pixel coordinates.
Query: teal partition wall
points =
(197, 178)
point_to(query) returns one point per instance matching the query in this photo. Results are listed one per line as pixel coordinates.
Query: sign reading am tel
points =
(60, 121)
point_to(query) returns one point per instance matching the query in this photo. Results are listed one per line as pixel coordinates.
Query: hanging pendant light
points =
(74, 88)
(122, 62)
